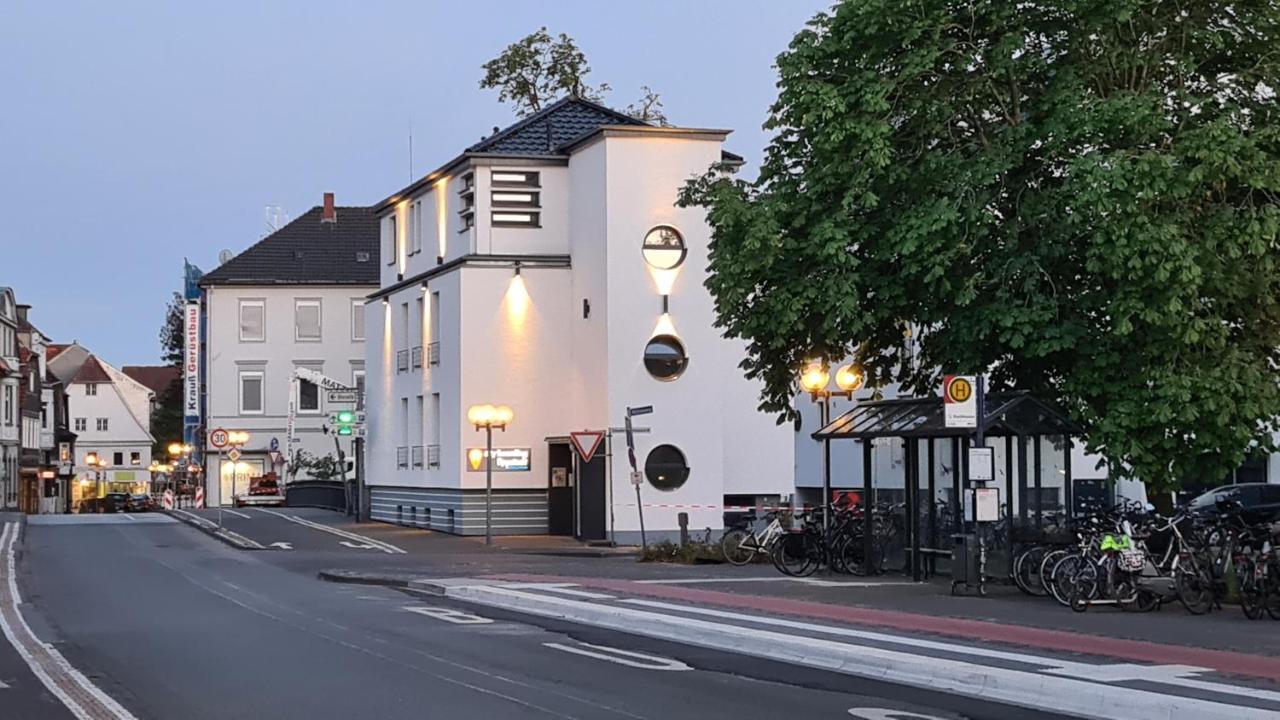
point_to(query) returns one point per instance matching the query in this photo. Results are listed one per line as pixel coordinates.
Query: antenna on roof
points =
(411, 148)
(276, 219)
(224, 257)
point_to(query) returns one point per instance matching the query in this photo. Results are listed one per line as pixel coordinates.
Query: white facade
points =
(553, 319)
(10, 411)
(256, 336)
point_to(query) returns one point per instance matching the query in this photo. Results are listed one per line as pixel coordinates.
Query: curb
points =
(350, 577)
(234, 539)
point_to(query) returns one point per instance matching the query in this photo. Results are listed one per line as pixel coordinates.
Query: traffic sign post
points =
(635, 472)
(218, 438)
(586, 443)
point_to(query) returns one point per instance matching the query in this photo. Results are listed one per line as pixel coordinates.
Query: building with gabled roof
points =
(293, 300)
(547, 268)
(110, 413)
(10, 412)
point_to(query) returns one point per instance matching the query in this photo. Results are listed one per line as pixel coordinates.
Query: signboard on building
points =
(504, 459)
(960, 401)
(191, 362)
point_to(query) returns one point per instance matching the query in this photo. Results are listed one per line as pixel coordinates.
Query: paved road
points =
(173, 624)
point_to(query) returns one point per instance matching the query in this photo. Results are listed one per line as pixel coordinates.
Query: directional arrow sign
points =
(282, 545)
(586, 443)
(3, 686)
(357, 546)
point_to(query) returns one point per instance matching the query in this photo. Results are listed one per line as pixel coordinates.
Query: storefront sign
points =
(504, 459)
(191, 362)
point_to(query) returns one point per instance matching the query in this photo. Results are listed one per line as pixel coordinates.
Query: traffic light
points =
(342, 421)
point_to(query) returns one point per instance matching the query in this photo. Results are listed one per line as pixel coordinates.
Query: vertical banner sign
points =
(191, 363)
(960, 401)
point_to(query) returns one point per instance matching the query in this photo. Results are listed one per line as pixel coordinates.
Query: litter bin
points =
(966, 563)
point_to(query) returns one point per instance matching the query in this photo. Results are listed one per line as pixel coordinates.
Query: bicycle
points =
(740, 545)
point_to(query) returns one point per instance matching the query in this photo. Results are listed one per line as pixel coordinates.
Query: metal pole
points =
(488, 484)
(868, 528)
(957, 495)
(1067, 490)
(1036, 473)
(824, 412)
(608, 464)
(913, 479)
(933, 503)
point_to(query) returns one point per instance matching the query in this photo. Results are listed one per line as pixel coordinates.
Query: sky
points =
(134, 134)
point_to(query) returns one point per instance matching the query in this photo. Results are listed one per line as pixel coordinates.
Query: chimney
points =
(328, 214)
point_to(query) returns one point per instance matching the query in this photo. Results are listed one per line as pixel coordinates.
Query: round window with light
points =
(664, 357)
(666, 468)
(664, 248)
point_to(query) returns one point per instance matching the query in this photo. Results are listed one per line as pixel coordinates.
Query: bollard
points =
(683, 519)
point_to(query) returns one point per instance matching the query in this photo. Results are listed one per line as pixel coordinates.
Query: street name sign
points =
(960, 401)
(342, 397)
(586, 443)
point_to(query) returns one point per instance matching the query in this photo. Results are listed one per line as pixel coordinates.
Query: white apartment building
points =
(10, 414)
(548, 269)
(293, 300)
(110, 413)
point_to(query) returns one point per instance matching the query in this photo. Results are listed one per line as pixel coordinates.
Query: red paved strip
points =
(1232, 663)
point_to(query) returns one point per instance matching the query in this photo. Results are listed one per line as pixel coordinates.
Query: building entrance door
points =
(592, 498)
(560, 494)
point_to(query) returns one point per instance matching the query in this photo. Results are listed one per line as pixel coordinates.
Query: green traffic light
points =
(344, 430)
(346, 416)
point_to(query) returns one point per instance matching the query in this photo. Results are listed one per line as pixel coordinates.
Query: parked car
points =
(141, 503)
(1261, 501)
(112, 502)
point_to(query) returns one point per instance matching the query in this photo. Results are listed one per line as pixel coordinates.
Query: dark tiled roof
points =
(558, 124)
(51, 351)
(309, 252)
(91, 372)
(157, 378)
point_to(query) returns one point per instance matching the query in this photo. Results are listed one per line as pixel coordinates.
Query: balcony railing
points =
(433, 353)
(433, 456)
(416, 453)
(417, 356)
(402, 361)
(402, 458)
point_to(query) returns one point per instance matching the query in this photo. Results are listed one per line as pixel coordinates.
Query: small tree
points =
(167, 419)
(537, 69)
(649, 108)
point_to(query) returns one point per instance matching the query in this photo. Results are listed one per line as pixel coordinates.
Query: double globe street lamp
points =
(815, 379)
(488, 417)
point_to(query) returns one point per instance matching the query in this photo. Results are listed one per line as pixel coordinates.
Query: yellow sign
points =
(959, 401)
(959, 390)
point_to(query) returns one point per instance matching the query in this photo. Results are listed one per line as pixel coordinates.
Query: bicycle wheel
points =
(1195, 588)
(1251, 601)
(1063, 576)
(1026, 571)
(792, 557)
(1050, 559)
(1084, 586)
(735, 548)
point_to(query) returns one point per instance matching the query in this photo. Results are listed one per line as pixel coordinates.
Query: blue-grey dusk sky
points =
(135, 134)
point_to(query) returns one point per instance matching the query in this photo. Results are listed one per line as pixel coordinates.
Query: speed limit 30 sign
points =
(960, 401)
(218, 438)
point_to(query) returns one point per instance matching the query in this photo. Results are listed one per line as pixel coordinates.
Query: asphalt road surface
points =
(173, 624)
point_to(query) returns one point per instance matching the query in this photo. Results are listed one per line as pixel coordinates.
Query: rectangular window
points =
(251, 392)
(516, 199)
(308, 397)
(8, 405)
(515, 219)
(357, 380)
(103, 424)
(91, 389)
(357, 319)
(81, 424)
(306, 320)
(253, 320)
(433, 424)
(117, 459)
(515, 178)
(404, 421)
(415, 227)
(468, 222)
(135, 458)
(392, 244)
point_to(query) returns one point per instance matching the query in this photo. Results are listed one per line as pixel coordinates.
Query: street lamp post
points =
(236, 439)
(814, 379)
(178, 453)
(489, 417)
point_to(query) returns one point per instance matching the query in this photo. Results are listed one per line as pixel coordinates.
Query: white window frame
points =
(298, 304)
(415, 227)
(102, 424)
(259, 303)
(91, 389)
(262, 391)
(393, 241)
(80, 424)
(297, 398)
(357, 311)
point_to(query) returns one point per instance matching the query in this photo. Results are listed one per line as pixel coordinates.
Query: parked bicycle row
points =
(1137, 560)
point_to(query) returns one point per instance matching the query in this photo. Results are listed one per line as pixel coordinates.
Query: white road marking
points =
(1070, 696)
(45, 662)
(457, 617)
(621, 657)
(359, 546)
(377, 544)
(282, 545)
(770, 578)
(3, 686)
(887, 714)
(237, 513)
(563, 589)
(1180, 675)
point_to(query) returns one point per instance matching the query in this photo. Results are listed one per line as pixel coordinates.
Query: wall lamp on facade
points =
(666, 304)
(517, 268)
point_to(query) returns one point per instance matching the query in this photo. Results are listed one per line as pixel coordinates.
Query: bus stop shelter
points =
(1013, 417)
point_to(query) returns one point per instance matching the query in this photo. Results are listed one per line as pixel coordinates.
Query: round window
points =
(666, 468)
(664, 248)
(664, 357)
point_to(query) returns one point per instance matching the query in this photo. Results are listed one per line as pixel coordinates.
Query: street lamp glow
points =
(503, 415)
(91, 459)
(815, 376)
(480, 414)
(850, 377)
(175, 448)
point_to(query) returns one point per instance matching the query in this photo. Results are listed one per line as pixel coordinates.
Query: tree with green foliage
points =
(1076, 197)
(167, 419)
(539, 69)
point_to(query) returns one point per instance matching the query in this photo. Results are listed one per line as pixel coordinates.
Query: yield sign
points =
(586, 443)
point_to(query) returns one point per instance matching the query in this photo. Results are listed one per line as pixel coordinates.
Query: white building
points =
(548, 269)
(293, 300)
(10, 414)
(111, 415)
